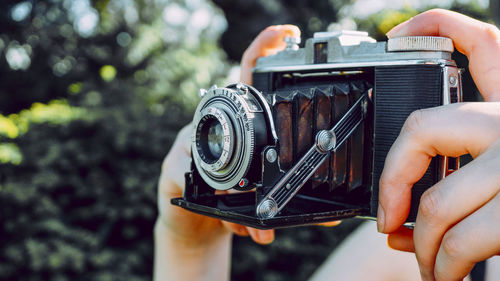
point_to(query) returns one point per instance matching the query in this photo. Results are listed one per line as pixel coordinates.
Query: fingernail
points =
(380, 218)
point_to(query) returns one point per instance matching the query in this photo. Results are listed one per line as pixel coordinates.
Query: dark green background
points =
(84, 128)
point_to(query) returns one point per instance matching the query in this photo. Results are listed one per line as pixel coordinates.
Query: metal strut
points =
(327, 141)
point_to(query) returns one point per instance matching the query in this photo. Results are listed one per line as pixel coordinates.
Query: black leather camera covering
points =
(400, 90)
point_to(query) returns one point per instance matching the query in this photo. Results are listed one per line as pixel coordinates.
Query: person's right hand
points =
(478, 40)
(457, 222)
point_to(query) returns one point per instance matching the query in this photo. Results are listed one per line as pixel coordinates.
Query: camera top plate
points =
(353, 49)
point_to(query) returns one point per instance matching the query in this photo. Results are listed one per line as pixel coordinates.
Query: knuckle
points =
(451, 245)
(491, 32)
(429, 207)
(436, 12)
(386, 181)
(414, 122)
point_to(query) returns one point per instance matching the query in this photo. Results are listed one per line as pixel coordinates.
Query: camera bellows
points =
(301, 113)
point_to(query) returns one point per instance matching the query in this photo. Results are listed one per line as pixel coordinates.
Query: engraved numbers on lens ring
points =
(227, 139)
(239, 120)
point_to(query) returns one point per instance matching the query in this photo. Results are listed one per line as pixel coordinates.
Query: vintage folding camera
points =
(307, 143)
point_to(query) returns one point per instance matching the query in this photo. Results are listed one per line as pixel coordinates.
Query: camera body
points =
(307, 143)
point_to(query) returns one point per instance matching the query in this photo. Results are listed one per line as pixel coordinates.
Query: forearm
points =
(175, 260)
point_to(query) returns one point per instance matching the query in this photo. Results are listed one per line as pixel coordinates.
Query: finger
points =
(479, 41)
(330, 223)
(261, 236)
(472, 240)
(177, 162)
(237, 229)
(268, 42)
(401, 240)
(438, 209)
(450, 130)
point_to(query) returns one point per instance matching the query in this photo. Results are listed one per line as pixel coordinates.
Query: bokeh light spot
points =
(21, 11)
(123, 39)
(17, 57)
(175, 15)
(8, 128)
(108, 73)
(10, 153)
(75, 88)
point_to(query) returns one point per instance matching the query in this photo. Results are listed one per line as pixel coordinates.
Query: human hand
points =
(193, 228)
(192, 246)
(479, 41)
(268, 42)
(457, 224)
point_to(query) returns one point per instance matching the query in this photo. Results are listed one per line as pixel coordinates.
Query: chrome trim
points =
(460, 88)
(325, 74)
(450, 73)
(322, 66)
(267, 109)
(409, 225)
(366, 218)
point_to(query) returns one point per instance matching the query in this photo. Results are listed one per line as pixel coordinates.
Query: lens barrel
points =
(225, 135)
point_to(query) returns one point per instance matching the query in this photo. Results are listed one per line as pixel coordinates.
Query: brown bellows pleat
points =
(304, 122)
(283, 114)
(338, 163)
(323, 121)
(356, 142)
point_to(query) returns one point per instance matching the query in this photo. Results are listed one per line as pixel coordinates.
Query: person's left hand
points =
(458, 219)
(190, 228)
(268, 42)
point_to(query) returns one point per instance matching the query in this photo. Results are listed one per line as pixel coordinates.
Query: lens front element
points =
(214, 139)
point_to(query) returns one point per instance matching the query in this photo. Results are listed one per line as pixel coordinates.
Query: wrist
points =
(193, 238)
(177, 258)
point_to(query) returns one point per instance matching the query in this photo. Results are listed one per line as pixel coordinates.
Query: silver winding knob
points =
(420, 43)
(267, 208)
(292, 43)
(325, 141)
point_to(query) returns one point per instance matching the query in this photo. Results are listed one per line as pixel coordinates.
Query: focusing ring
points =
(232, 109)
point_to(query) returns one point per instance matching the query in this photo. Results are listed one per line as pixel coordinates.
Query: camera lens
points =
(212, 139)
(229, 124)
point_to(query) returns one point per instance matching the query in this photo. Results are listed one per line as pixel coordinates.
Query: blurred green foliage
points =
(92, 94)
(378, 24)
